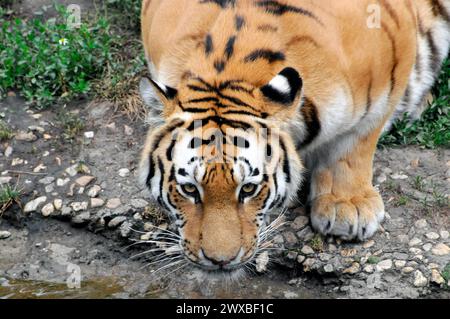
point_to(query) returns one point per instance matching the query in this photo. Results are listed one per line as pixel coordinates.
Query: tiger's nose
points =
(222, 260)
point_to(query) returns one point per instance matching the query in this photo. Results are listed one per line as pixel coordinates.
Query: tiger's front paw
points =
(352, 217)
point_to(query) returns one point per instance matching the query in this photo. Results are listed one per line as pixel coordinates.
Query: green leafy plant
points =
(130, 11)
(48, 60)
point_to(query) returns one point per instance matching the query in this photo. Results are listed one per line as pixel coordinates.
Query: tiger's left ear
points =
(285, 88)
(149, 87)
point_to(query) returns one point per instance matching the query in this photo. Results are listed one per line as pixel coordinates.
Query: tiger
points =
(248, 99)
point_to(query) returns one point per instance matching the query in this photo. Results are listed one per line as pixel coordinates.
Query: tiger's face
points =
(219, 175)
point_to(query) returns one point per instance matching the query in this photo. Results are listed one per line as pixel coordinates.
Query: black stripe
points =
(172, 174)
(276, 8)
(269, 55)
(170, 149)
(369, 96)
(192, 109)
(438, 9)
(171, 127)
(219, 121)
(239, 112)
(203, 100)
(222, 3)
(219, 65)
(229, 48)
(312, 121)
(151, 172)
(208, 44)
(161, 181)
(266, 199)
(286, 167)
(394, 56)
(198, 88)
(239, 22)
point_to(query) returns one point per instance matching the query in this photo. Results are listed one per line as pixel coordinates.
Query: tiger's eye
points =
(249, 188)
(189, 188)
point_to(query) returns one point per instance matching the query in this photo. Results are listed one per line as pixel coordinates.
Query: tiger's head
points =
(220, 160)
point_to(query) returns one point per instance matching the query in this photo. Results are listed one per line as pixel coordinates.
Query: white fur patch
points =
(281, 84)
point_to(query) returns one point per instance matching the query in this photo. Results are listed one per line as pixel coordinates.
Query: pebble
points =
(61, 182)
(47, 180)
(94, 191)
(444, 234)
(33, 205)
(138, 203)
(421, 223)
(433, 266)
(301, 259)
(384, 265)
(350, 252)
(84, 180)
(89, 134)
(81, 218)
(305, 234)
(8, 151)
(369, 269)
(128, 130)
(17, 161)
(36, 128)
(382, 178)
(47, 210)
(72, 170)
(399, 176)
(79, 206)
(407, 270)
(415, 251)
(353, 269)
(113, 203)
(278, 239)
(111, 127)
(300, 222)
(419, 279)
(427, 247)
(124, 172)
(125, 229)
(328, 268)
(308, 263)
(39, 168)
(368, 244)
(4, 234)
(324, 257)
(50, 188)
(436, 277)
(5, 180)
(441, 250)
(146, 236)
(415, 241)
(261, 262)
(290, 238)
(66, 211)
(97, 202)
(400, 263)
(57, 203)
(432, 235)
(307, 250)
(26, 137)
(116, 221)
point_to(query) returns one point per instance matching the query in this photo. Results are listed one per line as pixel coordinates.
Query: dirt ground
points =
(93, 175)
(68, 238)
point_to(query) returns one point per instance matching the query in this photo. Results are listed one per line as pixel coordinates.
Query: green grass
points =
(373, 260)
(35, 61)
(8, 196)
(71, 124)
(433, 128)
(5, 132)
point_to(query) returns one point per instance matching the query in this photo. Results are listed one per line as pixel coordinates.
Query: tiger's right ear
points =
(152, 91)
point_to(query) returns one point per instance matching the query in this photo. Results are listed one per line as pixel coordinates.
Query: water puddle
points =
(30, 289)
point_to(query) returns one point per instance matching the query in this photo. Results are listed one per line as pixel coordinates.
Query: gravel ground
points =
(81, 201)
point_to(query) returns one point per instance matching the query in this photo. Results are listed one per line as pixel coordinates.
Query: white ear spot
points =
(148, 94)
(281, 84)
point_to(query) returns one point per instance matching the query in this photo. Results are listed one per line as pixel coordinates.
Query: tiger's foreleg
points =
(343, 201)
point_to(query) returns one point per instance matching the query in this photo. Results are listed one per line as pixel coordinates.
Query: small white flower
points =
(63, 41)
